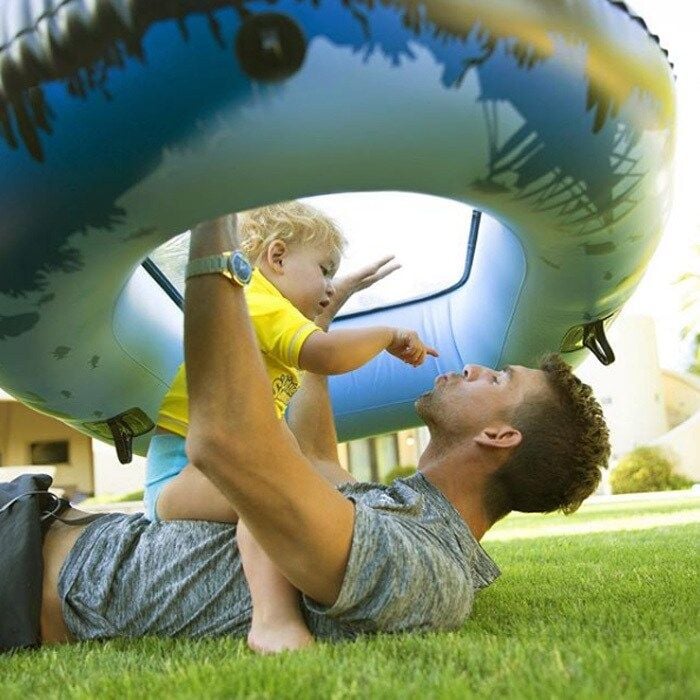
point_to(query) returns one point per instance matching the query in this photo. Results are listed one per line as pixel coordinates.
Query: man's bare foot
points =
(272, 638)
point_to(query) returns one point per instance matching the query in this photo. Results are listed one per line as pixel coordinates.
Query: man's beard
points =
(423, 405)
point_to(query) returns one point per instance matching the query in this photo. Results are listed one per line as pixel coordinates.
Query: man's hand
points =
(407, 346)
(345, 287)
(214, 237)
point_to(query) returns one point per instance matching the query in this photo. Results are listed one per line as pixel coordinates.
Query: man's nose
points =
(472, 372)
(330, 289)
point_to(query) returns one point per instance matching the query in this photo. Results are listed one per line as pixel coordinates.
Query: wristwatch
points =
(233, 264)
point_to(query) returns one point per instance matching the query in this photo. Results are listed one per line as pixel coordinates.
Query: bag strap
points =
(59, 505)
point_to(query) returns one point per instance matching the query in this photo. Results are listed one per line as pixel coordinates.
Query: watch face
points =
(240, 267)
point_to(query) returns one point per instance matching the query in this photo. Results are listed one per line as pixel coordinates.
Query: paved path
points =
(636, 522)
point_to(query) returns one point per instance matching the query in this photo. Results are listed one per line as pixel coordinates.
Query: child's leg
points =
(277, 620)
(191, 496)
(165, 460)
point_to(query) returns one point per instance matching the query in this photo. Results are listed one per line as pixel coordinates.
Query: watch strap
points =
(208, 265)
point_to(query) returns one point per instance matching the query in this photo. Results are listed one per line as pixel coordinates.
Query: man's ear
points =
(276, 253)
(502, 437)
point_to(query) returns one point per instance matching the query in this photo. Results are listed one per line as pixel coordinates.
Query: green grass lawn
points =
(598, 512)
(604, 615)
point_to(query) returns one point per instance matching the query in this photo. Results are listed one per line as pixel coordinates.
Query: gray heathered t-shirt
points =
(413, 565)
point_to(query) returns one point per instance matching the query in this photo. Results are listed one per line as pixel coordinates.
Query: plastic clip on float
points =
(123, 123)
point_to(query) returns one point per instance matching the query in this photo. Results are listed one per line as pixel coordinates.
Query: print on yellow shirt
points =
(281, 330)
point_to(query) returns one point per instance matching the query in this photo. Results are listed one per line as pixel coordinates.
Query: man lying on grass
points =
(365, 558)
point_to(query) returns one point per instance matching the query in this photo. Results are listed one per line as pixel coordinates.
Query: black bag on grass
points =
(24, 505)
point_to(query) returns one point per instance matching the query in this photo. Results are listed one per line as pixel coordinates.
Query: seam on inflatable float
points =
(521, 285)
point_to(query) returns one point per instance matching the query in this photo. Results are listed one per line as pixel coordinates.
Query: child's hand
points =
(345, 287)
(407, 346)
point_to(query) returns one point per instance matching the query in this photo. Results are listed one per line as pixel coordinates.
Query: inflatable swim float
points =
(124, 122)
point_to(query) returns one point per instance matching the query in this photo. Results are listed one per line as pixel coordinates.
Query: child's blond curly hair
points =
(293, 222)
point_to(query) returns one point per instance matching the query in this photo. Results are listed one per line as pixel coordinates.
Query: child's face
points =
(306, 277)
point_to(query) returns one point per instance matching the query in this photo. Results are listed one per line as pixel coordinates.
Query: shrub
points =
(398, 473)
(646, 469)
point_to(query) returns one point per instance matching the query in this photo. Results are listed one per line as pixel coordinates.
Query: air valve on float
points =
(270, 47)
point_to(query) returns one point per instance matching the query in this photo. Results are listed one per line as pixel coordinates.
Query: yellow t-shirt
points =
(281, 330)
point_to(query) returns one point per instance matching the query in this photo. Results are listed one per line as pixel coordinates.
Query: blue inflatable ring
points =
(124, 122)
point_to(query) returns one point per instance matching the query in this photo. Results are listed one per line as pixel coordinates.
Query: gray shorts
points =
(128, 577)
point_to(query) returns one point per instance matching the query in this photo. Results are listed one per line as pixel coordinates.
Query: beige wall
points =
(20, 427)
(682, 395)
(683, 405)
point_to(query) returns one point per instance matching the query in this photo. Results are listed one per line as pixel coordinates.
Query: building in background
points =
(33, 442)
(371, 459)
(644, 404)
(631, 389)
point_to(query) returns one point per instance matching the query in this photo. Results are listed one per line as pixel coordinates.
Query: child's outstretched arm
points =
(344, 350)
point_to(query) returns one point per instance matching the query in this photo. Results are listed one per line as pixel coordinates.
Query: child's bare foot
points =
(271, 638)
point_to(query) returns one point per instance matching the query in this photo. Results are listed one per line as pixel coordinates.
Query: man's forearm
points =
(235, 361)
(236, 440)
(310, 418)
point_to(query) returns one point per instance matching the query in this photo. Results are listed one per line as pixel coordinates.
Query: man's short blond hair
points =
(292, 222)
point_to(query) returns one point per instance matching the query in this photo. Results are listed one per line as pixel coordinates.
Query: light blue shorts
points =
(165, 460)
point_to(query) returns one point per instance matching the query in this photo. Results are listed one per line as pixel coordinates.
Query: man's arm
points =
(236, 440)
(310, 418)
